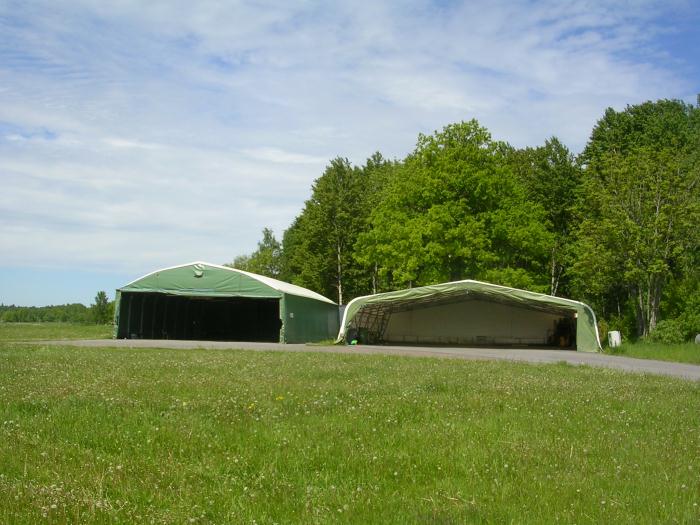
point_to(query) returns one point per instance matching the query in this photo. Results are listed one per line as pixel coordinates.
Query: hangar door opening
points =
(162, 316)
(465, 320)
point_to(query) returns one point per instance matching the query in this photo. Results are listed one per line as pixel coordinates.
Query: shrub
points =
(668, 331)
(603, 329)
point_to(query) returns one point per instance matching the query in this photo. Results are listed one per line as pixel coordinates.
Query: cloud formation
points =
(135, 135)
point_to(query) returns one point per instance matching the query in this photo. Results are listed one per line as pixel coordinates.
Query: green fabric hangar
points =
(202, 301)
(470, 313)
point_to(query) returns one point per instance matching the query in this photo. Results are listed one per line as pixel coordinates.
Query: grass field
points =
(55, 331)
(209, 436)
(681, 353)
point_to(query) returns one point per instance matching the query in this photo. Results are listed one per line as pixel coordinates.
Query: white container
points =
(614, 339)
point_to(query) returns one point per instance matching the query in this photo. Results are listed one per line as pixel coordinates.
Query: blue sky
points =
(138, 135)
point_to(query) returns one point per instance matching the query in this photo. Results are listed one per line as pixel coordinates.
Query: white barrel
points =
(697, 339)
(614, 339)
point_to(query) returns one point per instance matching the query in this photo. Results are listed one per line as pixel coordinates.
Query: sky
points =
(139, 135)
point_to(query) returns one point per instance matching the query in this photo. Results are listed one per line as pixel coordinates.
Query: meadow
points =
(681, 353)
(53, 331)
(102, 435)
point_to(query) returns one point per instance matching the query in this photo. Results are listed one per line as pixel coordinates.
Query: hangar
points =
(470, 313)
(203, 301)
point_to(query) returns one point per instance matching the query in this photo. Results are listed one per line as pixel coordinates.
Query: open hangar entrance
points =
(163, 316)
(470, 313)
(203, 301)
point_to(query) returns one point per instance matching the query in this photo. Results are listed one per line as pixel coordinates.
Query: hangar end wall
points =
(472, 322)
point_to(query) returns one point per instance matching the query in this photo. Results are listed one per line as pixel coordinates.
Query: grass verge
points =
(680, 353)
(53, 331)
(208, 436)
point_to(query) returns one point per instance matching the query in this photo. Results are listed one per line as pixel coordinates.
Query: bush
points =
(669, 331)
(690, 323)
(603, 329)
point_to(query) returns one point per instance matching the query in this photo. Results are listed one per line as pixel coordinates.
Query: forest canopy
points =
(615, 226)
(101, 312)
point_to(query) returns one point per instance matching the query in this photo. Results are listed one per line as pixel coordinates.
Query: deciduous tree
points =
(101, 308)
(265, 260)
(552, 178)
(455, 210)
(319, 243)
(640, 205)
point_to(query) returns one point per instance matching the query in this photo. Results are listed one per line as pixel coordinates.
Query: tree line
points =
(615, 226)
(101, 312)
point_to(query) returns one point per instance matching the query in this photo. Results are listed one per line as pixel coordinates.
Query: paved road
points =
(629, 364)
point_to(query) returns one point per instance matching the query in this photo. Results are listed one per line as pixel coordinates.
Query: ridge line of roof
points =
(276, 284)
(159, 270)
(263, 278)
(476, 282)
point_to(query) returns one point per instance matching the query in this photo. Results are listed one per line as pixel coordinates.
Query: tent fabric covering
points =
(375, 318)
(212, 280)
(221, 303)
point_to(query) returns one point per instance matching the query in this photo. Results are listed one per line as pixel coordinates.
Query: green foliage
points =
(616, 227)
(453, 210)
(240, 262)
(552, 178)
(640, 207)
(65, 313)
(378, 173)
(265, 260)
(211, 436)
(102, 311)
(682, 301)
(318, 246)
(668, 331)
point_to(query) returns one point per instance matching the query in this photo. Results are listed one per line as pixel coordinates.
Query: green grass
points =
(210, 436)
(681, 353)
(324, 342)
(53, 331)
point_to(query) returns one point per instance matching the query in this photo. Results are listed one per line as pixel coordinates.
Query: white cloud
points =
(279, 156)
(116, 142)
(140, 134)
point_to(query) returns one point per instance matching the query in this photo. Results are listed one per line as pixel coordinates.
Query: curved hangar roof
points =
(202, 301)
(470, 312)
(212, 280)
